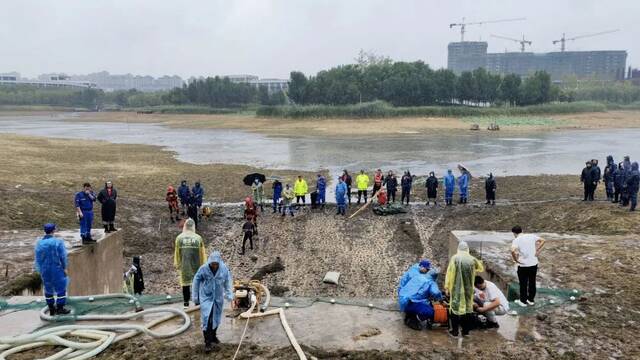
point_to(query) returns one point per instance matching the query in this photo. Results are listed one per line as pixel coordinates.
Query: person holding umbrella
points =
(258, 193)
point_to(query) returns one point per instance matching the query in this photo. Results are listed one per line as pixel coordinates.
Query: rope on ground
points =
(102, 336)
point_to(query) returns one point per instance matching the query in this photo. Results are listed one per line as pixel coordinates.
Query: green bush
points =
(380, 109)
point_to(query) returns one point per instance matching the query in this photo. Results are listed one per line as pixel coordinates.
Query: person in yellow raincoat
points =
(188, 256)
(458, 284)
(300, 188)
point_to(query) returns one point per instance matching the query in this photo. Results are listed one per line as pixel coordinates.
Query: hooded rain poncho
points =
(461, 272)
(209, 290)
(189, 253)
(421, 288)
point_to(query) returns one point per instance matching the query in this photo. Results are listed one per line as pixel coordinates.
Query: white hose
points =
(249, 314)
(101, 336)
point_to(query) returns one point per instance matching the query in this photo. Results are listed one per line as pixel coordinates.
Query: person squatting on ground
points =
(277, 193)
(362, 182)
(257, 189)
(251, 213)
(347, 180)
(449, 187)
(301, 189)
(391, 182)
(321, 189)
(185, 195)
(489, 301)
(588, 179)
(211, 285)
(432, 188)
(51, 263)
(84, 211)
(378, 180)
(463, 184)
(247, 229)
(609, 177)
(525, 249)
(172, 202)
(458, 284)
(417, 288)
(490, 189)
(133, 278)
(633, 183)
(341, 197)
(107, 197)
(405, 183)
(188, 256)
(197, 194)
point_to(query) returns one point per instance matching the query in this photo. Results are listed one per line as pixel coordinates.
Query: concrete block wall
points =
(97, 269)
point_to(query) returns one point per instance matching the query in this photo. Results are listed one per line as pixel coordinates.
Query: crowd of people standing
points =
(622, 181)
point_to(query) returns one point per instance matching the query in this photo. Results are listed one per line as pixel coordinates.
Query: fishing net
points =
(96, 306)
(545, 297)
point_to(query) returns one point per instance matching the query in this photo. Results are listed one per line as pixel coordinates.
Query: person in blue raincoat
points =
(184, 194)
(417, 289)
(51, 263)
(341, 197)
(449, 187)
(463, 184)
(321, 188)
(211, 285)
(84, 211)
(277, 193)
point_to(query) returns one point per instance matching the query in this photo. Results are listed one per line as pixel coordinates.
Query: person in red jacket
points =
(172, 201)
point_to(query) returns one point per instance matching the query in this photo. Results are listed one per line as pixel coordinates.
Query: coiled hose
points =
(101, 336)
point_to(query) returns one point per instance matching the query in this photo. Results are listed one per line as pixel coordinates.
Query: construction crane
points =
(464, 24)
(522, 42)
(563, 40)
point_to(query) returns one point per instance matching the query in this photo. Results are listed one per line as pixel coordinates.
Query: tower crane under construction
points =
(522, 42)
(564, 39)
(463, 24)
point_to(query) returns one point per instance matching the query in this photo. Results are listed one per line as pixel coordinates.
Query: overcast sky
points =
(271, 38)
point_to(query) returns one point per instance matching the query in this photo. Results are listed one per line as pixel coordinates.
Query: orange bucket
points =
(440, 315)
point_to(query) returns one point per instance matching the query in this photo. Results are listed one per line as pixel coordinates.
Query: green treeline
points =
(416, 84)
(220, 92)
(64, 97)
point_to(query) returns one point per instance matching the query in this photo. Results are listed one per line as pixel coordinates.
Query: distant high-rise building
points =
(113, 82)
(600, 65)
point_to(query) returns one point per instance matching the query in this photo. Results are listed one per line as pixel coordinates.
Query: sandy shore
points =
(351, 127)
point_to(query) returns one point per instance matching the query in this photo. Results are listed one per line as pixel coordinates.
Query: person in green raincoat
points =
(188, 256)
(458, 284)
(258, 193)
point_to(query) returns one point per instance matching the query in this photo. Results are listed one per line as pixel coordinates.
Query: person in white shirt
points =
(524, 251)
(489, 301)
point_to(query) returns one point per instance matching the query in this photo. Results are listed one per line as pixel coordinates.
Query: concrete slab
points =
(93, 269)
(320, 325)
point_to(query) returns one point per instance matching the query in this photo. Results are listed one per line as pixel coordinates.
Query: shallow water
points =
(534, 153)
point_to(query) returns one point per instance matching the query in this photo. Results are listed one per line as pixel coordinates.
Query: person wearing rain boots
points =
(490, 189)
(84, 211)
(107, 197)
(51, 263)
(172, 202)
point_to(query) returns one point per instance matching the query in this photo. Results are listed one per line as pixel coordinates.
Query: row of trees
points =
(221, 92)
(416, 84)
(29, 95)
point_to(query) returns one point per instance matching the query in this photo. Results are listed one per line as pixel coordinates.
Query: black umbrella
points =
(249, 179)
